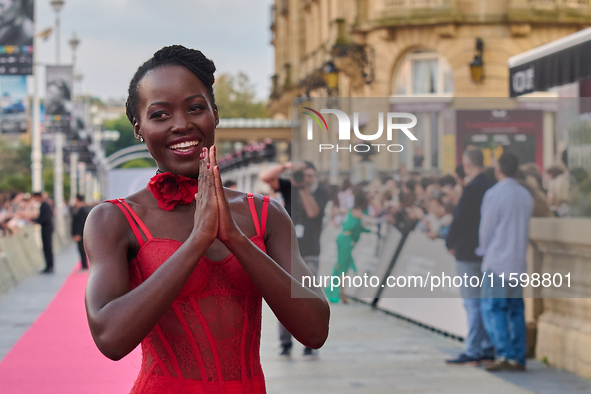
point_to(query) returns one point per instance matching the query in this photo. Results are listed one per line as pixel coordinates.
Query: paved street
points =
(367, 352)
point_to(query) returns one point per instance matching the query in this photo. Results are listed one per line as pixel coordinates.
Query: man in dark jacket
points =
(45, 219)
(462, 241)
(78, 220)
(309, 200)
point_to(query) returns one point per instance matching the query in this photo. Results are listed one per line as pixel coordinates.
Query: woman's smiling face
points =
(176, 118)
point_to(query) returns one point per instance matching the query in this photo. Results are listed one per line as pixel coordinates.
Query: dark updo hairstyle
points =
(175, 55)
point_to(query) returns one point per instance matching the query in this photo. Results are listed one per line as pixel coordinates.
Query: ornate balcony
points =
(410, 12)
(550, 11)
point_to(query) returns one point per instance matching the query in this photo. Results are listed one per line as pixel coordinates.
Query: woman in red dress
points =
(182, 265)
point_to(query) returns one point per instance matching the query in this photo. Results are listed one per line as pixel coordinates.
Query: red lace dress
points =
(209, 339)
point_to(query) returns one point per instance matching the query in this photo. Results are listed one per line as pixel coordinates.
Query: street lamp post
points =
(57, 7)
(331, 78)
(74, 42)
(58, 176)
(36, 152)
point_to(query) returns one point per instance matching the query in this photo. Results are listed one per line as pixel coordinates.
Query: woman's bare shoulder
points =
(108, 216)
(105, 215)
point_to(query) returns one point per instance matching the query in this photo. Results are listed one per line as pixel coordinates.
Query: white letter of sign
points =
(344, 123)
(402, 126)
(372, 137)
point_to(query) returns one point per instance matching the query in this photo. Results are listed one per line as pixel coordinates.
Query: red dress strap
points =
(264, 216)
(133, 220)
(260, 229)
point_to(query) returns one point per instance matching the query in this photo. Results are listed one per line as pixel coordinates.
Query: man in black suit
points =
(462, 241)
(45, 219)
(78, 220)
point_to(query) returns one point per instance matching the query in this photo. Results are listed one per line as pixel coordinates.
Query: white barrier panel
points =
(441, 308)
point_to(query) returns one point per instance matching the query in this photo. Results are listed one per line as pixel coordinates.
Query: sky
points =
(117, 36)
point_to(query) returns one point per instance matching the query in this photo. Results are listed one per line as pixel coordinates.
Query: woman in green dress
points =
(350, 233)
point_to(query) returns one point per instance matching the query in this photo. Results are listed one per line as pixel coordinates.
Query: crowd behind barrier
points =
(406, 208)
(21, 252)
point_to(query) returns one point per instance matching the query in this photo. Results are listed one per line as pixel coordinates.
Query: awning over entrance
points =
(556, 63)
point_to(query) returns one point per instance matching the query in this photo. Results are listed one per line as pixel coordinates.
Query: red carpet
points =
(57, 354)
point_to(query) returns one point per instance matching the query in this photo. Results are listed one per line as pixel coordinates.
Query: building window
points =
(423, 73)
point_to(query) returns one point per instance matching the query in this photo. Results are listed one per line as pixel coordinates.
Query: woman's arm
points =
(277, 274)
(120, 318)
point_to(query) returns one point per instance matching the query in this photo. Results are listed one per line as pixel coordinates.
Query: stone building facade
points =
(412, 50)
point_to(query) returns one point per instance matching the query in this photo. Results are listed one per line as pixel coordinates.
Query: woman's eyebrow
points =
(167, 103)
(193, 97)
(158, 103)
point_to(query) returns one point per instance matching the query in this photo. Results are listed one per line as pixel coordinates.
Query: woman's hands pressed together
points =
(213, 218)
(206, 213)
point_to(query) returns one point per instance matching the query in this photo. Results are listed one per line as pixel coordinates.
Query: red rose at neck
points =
(170, 189)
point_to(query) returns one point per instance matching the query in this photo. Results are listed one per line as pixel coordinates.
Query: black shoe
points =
(310, 354)
(285, 352)
(463, 359)
(46, 271)
(503, 364)
(487, 359)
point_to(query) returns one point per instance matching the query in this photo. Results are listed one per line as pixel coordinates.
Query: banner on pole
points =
(58, 98)
(13, 104)
(16, 37)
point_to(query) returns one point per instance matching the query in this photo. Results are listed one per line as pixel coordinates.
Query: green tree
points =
(139, 163)
(235, 97)
(126, 136)
(15, 166)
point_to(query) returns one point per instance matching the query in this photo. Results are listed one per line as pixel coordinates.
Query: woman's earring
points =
(140, 138)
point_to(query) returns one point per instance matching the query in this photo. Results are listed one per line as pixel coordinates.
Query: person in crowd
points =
(534, 186)
(580, 193)
(460, 175)
(418, 158)
(79, 215)
(533, 176)
(306, 211)
(346, 200)
(461, 241)
(402, 214)
(410, 186)
(280, 185)
(231, 184)
(437, 222)
(451, 195)
(182, 265)
(490, 173)
(558, 191)
(350, 234)
(45, 219)
(503, 238)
